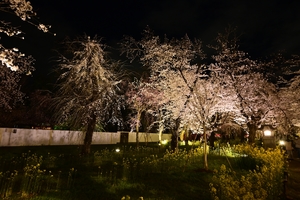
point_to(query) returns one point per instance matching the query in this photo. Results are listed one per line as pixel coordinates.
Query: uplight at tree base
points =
(281, 142)
(164, 142)
(190, 143)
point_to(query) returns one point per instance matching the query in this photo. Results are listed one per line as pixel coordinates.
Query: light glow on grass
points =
(164, 142)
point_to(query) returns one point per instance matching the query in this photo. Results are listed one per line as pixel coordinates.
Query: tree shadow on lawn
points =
(193, 184)
(87, 189)
(85, 185)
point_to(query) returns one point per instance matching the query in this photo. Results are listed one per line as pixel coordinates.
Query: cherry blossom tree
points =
(289, 92)
(256, 95)
(14, 63)
(195, 93)
(210, 96)
(89, 91)
(167, 62)
(192, 92)
(10, 92)
(141, 98)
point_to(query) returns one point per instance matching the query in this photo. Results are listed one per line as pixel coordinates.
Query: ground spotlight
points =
(281, 142)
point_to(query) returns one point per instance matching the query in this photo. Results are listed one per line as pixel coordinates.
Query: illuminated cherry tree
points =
(14, 63)
(256, 96)
(171, 113)
(195, 93)
(289, 92)
(10, 92)
(167, 62)
(210, 97)
(141, 98)
(89, 92)
(192, 93)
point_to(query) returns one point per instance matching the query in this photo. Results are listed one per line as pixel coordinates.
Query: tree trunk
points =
(137, 136)
(186, 135)
(86, 148)
(174, 138)
(137, 128)
(174, 141)
(252, 132)
(161, 128)
(205, 163)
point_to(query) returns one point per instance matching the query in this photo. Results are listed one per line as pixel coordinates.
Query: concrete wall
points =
(38, 137)
(147, 137)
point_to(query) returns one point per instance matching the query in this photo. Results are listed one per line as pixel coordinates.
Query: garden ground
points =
(293, 183)
(89, 181)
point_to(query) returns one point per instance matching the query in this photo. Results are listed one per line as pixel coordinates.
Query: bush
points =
(264, 182)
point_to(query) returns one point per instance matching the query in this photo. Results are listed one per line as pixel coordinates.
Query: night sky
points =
(265, 26)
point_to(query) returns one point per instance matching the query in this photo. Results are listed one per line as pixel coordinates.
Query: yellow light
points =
(164, 142)
(117, 150)
(281, 142)
(267, 133)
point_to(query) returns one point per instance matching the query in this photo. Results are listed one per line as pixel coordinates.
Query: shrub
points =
(264, 182)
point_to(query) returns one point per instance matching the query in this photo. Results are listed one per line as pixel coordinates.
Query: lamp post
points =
(268, 138)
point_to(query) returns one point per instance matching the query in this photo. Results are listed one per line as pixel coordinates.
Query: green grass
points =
(58, 172)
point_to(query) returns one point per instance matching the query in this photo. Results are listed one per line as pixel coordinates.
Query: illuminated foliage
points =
(10, 92)
(141, 98)
(289, 92)
(167, 61)
(192, 92)
(256, 96)
(12, 62)
(89, 88)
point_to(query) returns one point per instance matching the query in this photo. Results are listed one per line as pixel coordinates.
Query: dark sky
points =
(265, 26)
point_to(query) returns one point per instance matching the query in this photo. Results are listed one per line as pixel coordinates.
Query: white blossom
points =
(21, 8)
(11, 59)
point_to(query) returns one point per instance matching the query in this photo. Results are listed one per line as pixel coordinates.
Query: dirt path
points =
(293, 183)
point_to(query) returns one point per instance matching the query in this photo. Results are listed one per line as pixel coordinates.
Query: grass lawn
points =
(58, 172)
